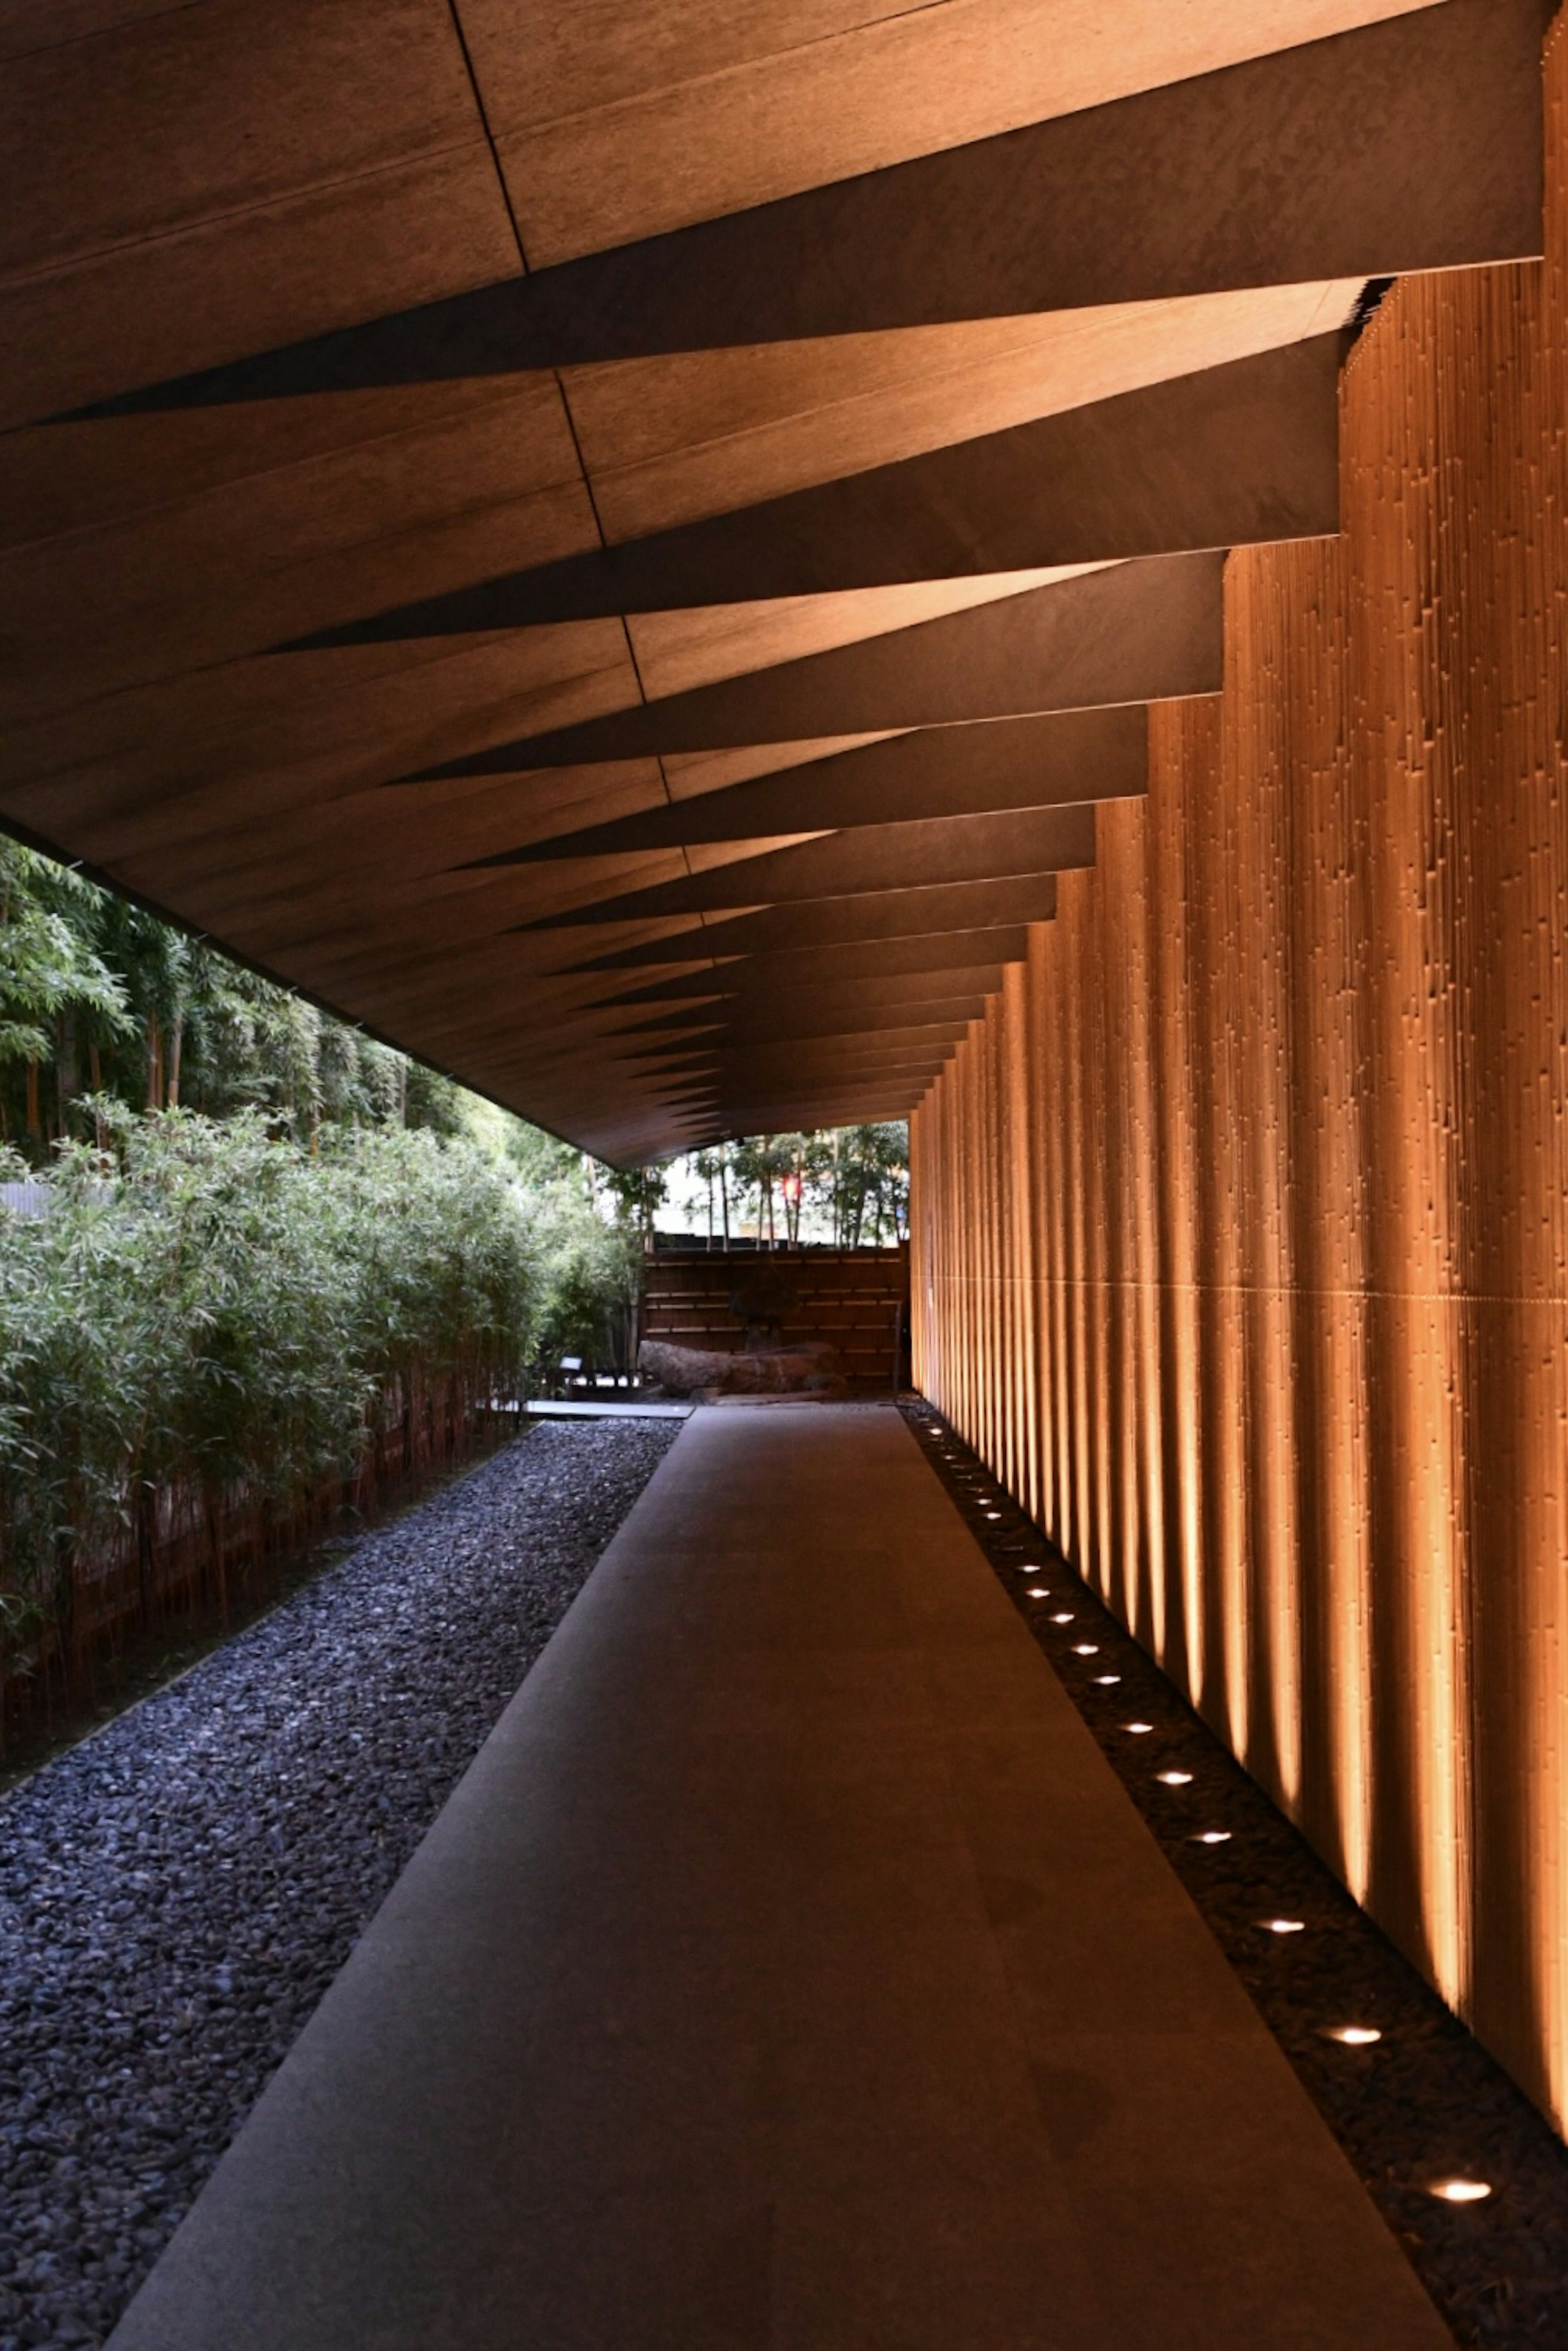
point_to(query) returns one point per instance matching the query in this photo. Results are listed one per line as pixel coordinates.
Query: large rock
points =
(810, 1368)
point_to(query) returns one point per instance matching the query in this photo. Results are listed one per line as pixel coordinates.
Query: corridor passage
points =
(789, 1972)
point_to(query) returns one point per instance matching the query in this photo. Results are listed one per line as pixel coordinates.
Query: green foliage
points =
(52, 971)
(864, 1182)
(99, 998)
(638, 1193)
(755, 1165)
(214, 1308)
(435, 1103)
(589, 1268)
(848, 1184)
(275, 1248)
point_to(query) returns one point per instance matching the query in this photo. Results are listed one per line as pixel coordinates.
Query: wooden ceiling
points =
(619, 544)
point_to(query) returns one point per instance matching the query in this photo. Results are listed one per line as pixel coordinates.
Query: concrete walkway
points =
(788, 1973)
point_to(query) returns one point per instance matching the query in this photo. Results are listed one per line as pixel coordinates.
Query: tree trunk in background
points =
(94, 1073)
(66, 1080)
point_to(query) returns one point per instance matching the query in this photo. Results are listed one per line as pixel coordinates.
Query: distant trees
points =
(639, 1193)
(866, 1186)
(59, 997)
(712, 1168)
(847, 1185)
(758, 1163)
(100, 1002)
(587, 1262)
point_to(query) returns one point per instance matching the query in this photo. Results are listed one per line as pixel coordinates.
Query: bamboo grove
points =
(220, 1325)
(214, 1338)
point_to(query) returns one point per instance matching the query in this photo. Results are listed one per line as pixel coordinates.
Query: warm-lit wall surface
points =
(1241, 1218)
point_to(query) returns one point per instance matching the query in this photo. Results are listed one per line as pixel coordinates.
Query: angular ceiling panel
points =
(725, 109)
(674, 439)
(622, 548)
(1311, 164)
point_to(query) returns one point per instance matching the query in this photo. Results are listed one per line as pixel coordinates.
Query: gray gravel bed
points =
(177, 1893)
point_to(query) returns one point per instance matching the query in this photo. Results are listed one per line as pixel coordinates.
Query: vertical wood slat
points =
(1241, 1218)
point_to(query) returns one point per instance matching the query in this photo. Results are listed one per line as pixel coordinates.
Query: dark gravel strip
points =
(1425, 2102)
(177, 1893)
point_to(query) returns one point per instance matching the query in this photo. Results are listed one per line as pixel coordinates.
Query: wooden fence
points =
(182, 1553)
(853, 1299)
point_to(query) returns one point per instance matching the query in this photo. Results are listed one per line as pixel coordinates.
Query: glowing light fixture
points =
(1086, 1648)
(1210, 1836)
(1351, 2036)
(1107, 1681)
(1065, 1618)
(1282, 1926)
(1460, 2191)
(1137, 1728)
(1038, 1592)
(1175, 1779)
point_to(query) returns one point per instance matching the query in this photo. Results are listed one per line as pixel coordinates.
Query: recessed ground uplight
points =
(1086, 1648)
(993, 1514)
(1175, 1779)
(1137, 1728)
(1038, 1592)
(1066, 1618)
(1351, 2036)
(1210, 1836)
(1030, 1567)
(1107, 1681)
(1460, 2191)
(1282, 1926)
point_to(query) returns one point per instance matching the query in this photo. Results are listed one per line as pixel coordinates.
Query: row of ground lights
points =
(1349, 2036)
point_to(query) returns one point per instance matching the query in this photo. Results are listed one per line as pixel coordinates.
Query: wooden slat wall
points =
(851, 1298)
(1241, 1219)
